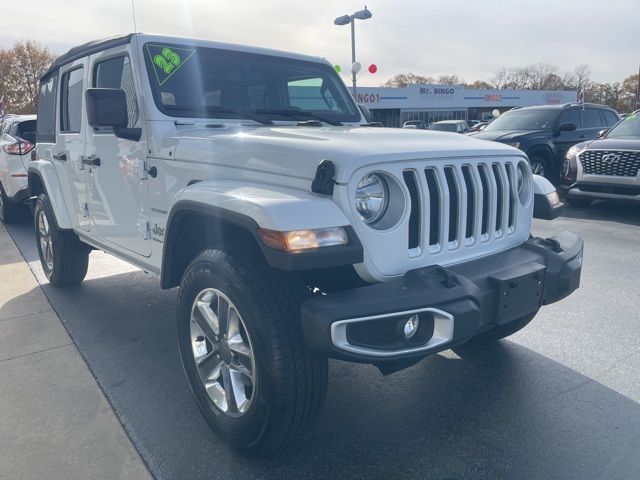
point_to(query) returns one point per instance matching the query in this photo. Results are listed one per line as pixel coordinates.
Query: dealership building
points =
(431, 103)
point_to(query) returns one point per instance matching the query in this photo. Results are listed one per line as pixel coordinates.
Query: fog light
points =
(411, 326)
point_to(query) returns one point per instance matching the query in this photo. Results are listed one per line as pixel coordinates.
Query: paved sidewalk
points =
(55, 422)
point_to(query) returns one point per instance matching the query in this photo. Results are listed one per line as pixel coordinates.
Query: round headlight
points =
(372, 197)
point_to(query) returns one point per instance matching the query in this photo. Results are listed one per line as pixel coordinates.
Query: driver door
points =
(117, 182)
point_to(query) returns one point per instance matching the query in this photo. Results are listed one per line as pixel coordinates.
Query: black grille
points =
(512, 194)
(610, 162)
(414, 217)
(434, 206)
(471, 200)
(499, 193)
(485, 199)
(450, 176)
(486, 191)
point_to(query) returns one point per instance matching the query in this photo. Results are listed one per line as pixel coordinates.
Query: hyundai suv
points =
(607, 168)
(546, 133)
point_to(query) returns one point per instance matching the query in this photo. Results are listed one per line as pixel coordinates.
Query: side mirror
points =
(567, 127)
(366, 113)
(107, 107)
(546, 202)
(602, 133)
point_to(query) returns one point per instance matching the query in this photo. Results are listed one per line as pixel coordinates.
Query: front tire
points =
(64, 258)
(242, 350)
(538, 165)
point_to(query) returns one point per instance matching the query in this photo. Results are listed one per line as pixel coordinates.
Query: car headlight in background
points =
(372, 197)
(514, 144)
(575, 150)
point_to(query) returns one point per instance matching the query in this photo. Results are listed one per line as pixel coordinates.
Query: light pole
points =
(351, 19)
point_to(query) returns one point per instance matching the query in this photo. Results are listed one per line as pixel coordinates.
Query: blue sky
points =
(470, 38)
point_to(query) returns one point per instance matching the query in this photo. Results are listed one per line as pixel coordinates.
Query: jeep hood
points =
(295, 151)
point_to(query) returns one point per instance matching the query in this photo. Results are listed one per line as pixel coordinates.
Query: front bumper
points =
(602, 191)
(455, 303)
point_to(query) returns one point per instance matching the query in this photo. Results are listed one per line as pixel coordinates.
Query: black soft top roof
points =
(84, 50)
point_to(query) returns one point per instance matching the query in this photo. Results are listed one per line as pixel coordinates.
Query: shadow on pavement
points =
(610, 211)
(502, 412)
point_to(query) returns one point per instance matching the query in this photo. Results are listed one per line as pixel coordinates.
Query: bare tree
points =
(479, 84)
(578, 78)
(404, 79)
(20, 69)
(449, 80)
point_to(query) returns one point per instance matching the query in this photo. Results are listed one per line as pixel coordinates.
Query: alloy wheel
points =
(537, 167)
(44, 235)
(222, 352)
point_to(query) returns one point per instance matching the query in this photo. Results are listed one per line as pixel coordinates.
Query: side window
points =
(609, 118)
(116, 73)
(571, 115)
(46, 125)
(591, 118)
(71, 101)
(27, 130)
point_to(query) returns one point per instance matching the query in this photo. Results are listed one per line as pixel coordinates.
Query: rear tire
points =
(9, 211)
(282, 386)
(64, 258)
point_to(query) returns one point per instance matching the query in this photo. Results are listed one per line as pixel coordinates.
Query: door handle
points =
(92, 161)
(60, 156)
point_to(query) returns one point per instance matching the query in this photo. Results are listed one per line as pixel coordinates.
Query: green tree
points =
(21, 67)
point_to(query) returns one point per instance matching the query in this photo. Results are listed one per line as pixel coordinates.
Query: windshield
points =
(629, 127)
(190, 81)
(537, 119)
(443, 127)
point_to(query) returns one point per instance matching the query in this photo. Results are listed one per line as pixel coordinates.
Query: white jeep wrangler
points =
(249, 178)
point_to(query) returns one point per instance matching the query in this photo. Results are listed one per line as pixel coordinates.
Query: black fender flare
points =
(212, 215)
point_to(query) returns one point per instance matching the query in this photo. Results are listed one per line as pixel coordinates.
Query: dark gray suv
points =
(547, 132)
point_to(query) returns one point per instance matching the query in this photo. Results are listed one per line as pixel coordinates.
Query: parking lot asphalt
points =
(558, 400)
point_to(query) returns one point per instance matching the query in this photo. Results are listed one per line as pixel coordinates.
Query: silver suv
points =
(607, 168)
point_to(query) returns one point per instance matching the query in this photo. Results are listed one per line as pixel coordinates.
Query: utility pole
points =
(351, 19)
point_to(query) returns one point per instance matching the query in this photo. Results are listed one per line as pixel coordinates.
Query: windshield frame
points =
(352, 114)
(490, 127)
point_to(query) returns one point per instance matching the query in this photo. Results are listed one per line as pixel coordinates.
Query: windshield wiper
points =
(221, 110)
(292, 112)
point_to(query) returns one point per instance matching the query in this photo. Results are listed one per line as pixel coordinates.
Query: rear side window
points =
(46, 126)
(27, 130)
(610, 118)
(71, 101)
(571, 115)
(116, 73)
(591, 118)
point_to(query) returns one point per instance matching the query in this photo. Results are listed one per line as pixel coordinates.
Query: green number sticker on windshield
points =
(167, 60)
